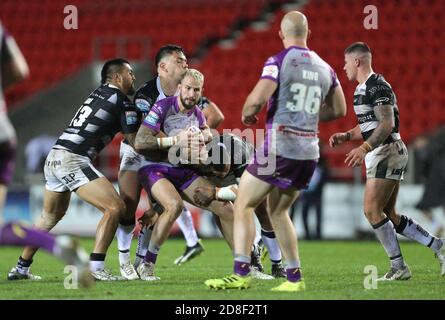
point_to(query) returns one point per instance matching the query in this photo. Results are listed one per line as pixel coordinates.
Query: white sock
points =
(124, 235)
(185, 223)
(412, 230)
(124, 257)
(271, 243)
(143, 241)
(97, 265)
(257, 236)
(385, 232)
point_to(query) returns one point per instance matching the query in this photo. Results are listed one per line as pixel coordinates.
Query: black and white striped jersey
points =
(375, 91)
(105, 112)
(151, 92)
(240, 151)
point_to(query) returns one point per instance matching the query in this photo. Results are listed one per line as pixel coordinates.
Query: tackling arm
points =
(385, 116)
(260, 94)
(214, 116)
(205, 195)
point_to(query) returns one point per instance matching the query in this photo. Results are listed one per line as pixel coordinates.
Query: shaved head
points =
(360, 50)
(294, 25)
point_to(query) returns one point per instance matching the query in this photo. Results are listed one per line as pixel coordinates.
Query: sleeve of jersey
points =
(271, 70)
(381, 95)
(154, 118)
(130, 120)
(142, 104)
(335, 81)
(203, 103)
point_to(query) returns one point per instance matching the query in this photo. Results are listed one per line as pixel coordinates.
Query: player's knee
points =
(174, 207)
(116, 208)
(372, 211)
(240, 206)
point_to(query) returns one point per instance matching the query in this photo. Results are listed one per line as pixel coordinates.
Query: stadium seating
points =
(54, 53)
(407, 46)
(409, 54)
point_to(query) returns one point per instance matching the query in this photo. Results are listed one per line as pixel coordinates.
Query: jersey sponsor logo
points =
(378, 88)
(70, 178)
(396, 172)
(152, 118)
(142, 105)
(381, 100)
(131, 117)
(362, 118)
(270, 71)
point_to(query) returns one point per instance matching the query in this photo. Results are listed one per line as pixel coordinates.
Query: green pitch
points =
(332, 270)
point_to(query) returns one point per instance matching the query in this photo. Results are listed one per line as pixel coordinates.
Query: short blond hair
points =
(195, 74)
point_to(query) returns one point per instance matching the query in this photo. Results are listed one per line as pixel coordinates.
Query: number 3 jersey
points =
(104, 113)
(304, 80)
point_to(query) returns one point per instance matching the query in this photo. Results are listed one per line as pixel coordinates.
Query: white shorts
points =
(387, 161)
(130, 159)
(68, 171)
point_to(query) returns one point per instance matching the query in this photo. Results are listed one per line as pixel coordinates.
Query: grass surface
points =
(332, 270)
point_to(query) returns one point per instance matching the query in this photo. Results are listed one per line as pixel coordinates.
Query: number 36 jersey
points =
(104, 113)
(304, 80)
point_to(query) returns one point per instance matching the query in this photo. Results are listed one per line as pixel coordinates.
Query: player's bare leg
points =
(129, 191)
(101, 194)
(193, 246)
(251, 193)
(411, 229)
(270, 241)
(377, 195)
(279, 202)
(165, 195)
(55, 205)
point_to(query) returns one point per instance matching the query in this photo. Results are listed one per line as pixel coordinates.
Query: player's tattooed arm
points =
(145, 140)
(385, 116)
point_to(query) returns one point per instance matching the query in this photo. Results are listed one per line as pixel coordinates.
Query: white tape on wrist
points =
(166, 142)
(226, 194)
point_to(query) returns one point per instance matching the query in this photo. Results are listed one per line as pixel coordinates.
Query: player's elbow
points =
(23, 71)
(216, 121)
(341, 112)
